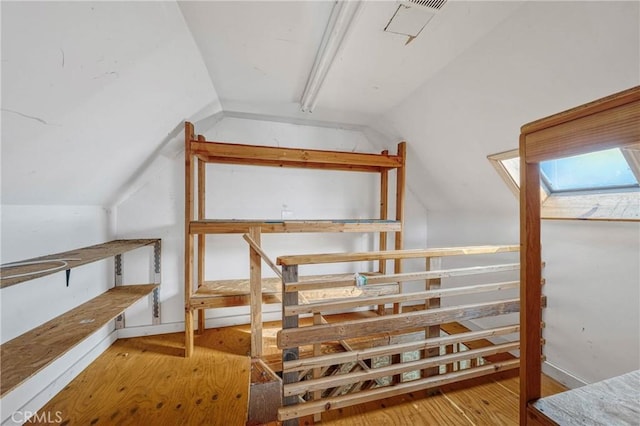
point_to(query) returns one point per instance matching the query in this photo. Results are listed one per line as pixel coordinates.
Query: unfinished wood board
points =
(293, 157)
(80, 257)
(295, 337)
(28, 353)
(146, 381)
(308, 259)
(132, 378)
(211, 226)
(225, 293)
(614, 401)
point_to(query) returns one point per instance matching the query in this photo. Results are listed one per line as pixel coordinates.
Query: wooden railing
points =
(371, 367)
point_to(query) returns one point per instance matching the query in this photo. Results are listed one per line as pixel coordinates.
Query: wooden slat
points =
(357, 328)
(616, 127)
(255, 246)
(309, 259)
(363, 354)
(389, 391)
(293, 226)
(609, 402)
(361, 376)
(402, 277)
(84, 255)
(341, 304)
(401, 174)
(24, 356)
(293, 157)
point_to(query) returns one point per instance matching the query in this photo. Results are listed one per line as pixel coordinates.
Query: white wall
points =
(245, 192)
(547, 57)
(34, 230)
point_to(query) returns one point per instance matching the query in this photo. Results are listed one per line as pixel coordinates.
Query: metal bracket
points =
(118, 282)
(157, 255)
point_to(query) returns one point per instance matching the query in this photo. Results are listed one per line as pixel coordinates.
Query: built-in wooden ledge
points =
(66, 260)
(24, 356)
(609, 402)
(227, 293)
(211, 226)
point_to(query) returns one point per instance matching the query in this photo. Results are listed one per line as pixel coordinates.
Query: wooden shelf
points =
(84, 255)
(27, 354)
(230, 153)
(291, 226)
(227, 293)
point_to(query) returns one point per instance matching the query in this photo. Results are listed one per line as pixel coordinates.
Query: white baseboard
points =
(34, 393)
(562, 376)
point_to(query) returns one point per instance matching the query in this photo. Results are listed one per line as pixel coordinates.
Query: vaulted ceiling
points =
(97, 90)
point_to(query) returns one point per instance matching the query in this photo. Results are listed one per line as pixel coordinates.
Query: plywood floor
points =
(146, 380)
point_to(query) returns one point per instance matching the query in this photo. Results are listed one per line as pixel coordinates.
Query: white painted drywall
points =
(548, 56)
(30, 231)
(242, 192)
(91, 89)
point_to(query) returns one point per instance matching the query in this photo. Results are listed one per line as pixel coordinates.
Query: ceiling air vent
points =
(412, 16)
(429, 4)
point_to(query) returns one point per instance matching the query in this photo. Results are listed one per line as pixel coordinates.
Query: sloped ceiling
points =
(89, 91)
(259, 54)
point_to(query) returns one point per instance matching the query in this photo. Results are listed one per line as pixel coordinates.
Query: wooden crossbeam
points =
(295, 337)
(401, 277)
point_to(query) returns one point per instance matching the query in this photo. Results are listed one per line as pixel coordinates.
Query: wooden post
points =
(201, 237)
(255, 285)
(317, 372)
(432, 263)
(188, 240)
(400, 187)
(289, 275)
(530, 282)
(397, 267)
(384, 214)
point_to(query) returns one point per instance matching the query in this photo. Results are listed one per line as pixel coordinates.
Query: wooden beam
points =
(611, 128)
(403, 277)
(384, 214)
(289, 274)
(255, 284)
(400, 198)
(309, 259)
(201, 237)
(292, 226)
(617, 99)
(188, 240)
(293, 157)
(350, 303)
(364, 354)
(393, 369)
(433, 285)
(530, 282)
(308, 408)
(358, 328)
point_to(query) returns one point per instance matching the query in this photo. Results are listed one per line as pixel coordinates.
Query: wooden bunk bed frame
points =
(610, 122)
(205, 295)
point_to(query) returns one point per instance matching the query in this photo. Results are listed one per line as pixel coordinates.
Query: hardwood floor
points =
(147, 381)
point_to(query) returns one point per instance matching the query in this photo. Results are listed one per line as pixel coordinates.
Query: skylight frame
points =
(614, 203)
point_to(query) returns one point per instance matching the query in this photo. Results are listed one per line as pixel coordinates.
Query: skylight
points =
(602, 185)
(593, 171)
